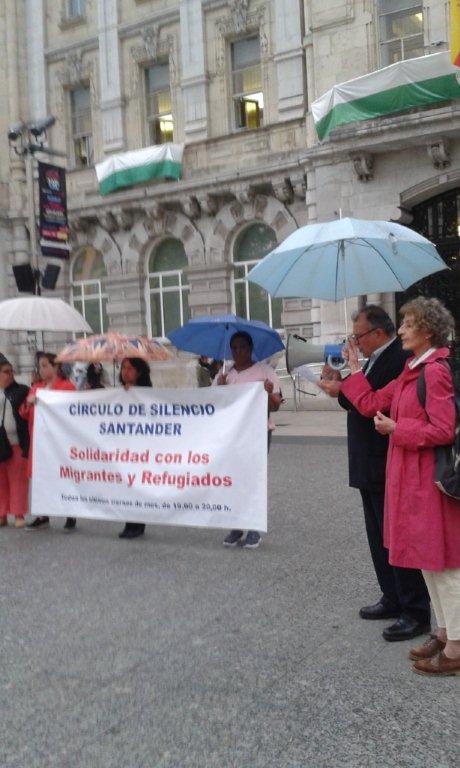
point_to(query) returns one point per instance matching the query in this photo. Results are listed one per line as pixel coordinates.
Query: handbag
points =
(6, 450)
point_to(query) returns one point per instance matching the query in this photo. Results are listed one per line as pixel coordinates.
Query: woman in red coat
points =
(421, 524)
(50, 378)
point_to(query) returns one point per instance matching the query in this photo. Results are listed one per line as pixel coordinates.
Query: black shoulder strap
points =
(421, 387)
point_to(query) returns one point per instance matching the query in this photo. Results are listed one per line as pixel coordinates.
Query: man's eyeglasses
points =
(357, 337)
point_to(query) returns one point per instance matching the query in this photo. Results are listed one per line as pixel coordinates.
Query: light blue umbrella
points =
(344, 258)
(211, 336)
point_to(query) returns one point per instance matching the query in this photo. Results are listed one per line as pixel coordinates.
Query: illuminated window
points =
(167, 287)
(251, 301)
(159, 112)
(76, 8)
(248, 99)
(88, 297)
(82, 130)
(400, 30)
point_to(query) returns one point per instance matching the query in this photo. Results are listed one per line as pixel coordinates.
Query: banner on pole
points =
(193, 457)
(54, 227)
(455, 32)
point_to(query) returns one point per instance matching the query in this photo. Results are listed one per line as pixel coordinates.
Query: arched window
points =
(167, 287)
(252, 302)
(88, 296)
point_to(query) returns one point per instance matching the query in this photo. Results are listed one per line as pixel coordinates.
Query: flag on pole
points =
(455, 32)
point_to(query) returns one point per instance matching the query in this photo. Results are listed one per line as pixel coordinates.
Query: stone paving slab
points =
(173, 652)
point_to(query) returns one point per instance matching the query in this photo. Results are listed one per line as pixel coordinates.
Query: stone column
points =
(35, 51)
(111, 104)
(194, 78)
(289, 59)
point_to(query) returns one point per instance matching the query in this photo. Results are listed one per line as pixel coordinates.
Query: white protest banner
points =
(195, 457)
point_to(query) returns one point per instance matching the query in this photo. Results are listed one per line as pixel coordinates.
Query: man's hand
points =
(331, 388)
(221, 379)
(383, 424)
(330, 374)
(268, 386)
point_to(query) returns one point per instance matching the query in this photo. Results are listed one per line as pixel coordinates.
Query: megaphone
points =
(300, 351)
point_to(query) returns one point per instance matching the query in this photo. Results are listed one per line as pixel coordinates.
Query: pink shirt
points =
(257, 372)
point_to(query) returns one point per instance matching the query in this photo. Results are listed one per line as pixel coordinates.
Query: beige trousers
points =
(444, 589)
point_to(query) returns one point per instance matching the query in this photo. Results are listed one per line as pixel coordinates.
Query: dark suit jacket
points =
(367, 450)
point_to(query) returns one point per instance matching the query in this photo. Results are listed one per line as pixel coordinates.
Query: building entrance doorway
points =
(438, 219)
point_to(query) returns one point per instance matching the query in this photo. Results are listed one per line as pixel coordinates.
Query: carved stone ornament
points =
(75, 70)
(299, 184)
(190, 207)
(283, 190)
(363, 165)
(108, 222)
(151, 47)
(125, 219)
(208, 205)
(439, 153)
(239, 11)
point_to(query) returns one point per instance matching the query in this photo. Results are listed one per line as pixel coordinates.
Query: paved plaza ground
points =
(173, 652)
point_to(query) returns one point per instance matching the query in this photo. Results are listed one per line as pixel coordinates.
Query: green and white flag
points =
(421, 82)
(161, 161)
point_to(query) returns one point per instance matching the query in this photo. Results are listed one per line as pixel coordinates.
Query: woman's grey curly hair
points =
(431, 316)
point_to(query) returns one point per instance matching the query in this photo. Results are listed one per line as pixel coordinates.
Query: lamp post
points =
(27, 140)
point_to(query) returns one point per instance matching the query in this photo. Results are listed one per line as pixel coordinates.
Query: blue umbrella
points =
(211, 336)
(346, 257)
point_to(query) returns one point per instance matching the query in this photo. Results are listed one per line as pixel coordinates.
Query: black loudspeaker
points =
(50, 276)
(25, 278)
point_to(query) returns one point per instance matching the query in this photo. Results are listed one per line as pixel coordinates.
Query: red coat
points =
(421, 524)
(27, 411)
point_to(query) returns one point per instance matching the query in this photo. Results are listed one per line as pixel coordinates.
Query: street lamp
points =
(27, 140)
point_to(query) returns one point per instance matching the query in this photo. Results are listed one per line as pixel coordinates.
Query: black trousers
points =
(402, 588)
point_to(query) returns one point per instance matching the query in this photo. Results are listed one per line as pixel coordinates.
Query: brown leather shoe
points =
(437, 666)
(430, 648)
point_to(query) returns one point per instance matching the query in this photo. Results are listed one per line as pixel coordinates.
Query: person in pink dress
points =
(244, 371)
(50, 378)
(14, 482)
(421, 524)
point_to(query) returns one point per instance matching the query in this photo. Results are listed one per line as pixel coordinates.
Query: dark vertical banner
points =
(54, 227)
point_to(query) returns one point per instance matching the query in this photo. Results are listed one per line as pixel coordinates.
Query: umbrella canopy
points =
(40, 313)
(211, 336)
(112, 347)
(346, 257)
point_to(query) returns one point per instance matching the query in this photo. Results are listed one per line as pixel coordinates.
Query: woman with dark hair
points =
(134, 372)
(14, 482)
(421, 524)
(94, 376)
(243, 371)
(51, 377)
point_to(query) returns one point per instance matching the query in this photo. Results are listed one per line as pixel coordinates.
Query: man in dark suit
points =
(404, 594)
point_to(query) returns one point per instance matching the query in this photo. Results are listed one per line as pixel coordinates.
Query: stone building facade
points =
(233, 81)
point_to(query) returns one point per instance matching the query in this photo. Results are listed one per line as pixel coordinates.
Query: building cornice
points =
(83, 46)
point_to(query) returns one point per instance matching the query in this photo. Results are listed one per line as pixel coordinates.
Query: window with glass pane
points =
(158, 96)
(400, 30)
(252, 302)
(168, 287)
(76, 8)
(82, 130)
(248, 99)
(88, 296)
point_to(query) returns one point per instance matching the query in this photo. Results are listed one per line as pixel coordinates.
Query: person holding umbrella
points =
(244, 371)
(134, 372)
(50, 378)
(422, 524)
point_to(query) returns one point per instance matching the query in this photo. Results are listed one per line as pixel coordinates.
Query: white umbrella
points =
(39, 313)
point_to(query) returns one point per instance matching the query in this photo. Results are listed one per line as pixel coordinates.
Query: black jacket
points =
(367, 450)
(16, 394)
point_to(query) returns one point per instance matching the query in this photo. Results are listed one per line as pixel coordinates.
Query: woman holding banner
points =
(244, 371)
(134, 372)
(51, 377)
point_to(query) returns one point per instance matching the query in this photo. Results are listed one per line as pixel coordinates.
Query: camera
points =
(15, 131)
(40, 126)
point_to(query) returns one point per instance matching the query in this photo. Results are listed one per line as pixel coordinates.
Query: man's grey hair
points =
(376, 317)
